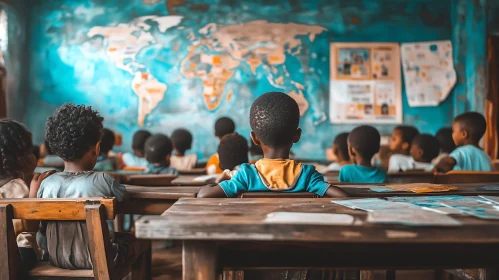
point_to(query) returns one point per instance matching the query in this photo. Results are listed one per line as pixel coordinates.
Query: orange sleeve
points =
(216, 162)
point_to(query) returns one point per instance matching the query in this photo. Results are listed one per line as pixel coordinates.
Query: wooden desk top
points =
(243, 220)
(186, 180)
(464, 190)
(174, 192)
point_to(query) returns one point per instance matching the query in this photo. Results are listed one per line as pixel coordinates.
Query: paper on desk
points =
(308, 218)
(475, 206)
(415, 188)
(205, 179)
(411, 217)
(494, 199)
(488, 188)
(372, 204)
(432, 203)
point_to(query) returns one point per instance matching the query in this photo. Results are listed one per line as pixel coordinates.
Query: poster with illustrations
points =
(428, 71)
(365, 83)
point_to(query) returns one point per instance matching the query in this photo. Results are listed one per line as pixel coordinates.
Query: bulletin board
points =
(365, 84)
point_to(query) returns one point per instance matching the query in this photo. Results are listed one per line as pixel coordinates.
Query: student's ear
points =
(464, 133)
(255, 139)
(405, 146)
(167, 159)
(351, 151)
(297, 136)
(96, 149)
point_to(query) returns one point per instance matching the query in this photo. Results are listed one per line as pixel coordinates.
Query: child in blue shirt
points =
(274, 120)
(137, 158)
(158, 149)
(363, 144)
(467, 130)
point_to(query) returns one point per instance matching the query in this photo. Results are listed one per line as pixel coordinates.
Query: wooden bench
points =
(95, 211)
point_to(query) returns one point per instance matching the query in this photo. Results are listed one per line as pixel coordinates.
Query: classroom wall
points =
(71, 62)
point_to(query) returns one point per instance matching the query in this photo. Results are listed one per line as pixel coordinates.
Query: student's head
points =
(224, 126)
(36, 151)
(340, 147)
(182, 140)
(46, 149)
(363, 143)
(468, 128)
(444, 138)
(107, 141)
(74, 133)
(425, 148)
(138, 141)
(232, 151)
(401, 139)
(16, 156)
(158, 149)
(274, 120)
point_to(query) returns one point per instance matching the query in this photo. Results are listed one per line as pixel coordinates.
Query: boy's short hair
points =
(429, 145)
(232, 151)
(274, 118)
(444, 138)
(73, 130)
(107, 141)
(139, 139)
(182, 140)
(474, 123)
(365, 140)
(15, 142)
(157, 147)
(224, 126)
(341, 141)
(408, 133)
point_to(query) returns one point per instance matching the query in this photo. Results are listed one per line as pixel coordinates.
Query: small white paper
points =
(308, 218)
(205, 178)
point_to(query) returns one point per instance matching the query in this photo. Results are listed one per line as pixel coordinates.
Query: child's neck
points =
(275, 153)
(363, 162)
(179, 154)
(76, 166)
(467, 142)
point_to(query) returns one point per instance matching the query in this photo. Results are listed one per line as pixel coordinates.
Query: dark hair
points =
(107, 141)
(408, 133)
(36, 151)
(224, 126)
(73, 130)
(47, 148)
(444, 138)
(274, 118)
(429, 144)
(157, 147)
(139, 139)
(15, 143)
(182, 140)
(232, 151)
(474, 123)
(341, 141)
(365, 140)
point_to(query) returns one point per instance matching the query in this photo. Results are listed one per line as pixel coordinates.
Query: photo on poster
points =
(385, 96)
(382, 64)
(353, 63)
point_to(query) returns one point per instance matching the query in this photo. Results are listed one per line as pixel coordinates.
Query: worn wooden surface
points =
(410, 177)
(464, 177)
(62, 209)
(199, 260)
(99, 242)
(150, 180)
(194, 171)
(44, 269)
(187, 180)
(153, 200)
(9, 254)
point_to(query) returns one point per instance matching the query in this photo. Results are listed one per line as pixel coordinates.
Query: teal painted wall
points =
(59, 30)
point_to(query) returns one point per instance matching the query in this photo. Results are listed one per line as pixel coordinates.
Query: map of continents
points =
(214, 53)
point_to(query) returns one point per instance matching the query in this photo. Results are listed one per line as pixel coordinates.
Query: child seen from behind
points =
(182, 141)
(223, 126)
(232, 152)
(158, 149)
(104, 163)
(137, 159)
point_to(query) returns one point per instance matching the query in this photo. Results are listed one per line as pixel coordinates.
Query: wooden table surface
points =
(232, 233)
(186, 180)
(154, 200)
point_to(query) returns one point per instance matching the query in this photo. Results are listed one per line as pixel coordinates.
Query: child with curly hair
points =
(17, 163)
(74, 133)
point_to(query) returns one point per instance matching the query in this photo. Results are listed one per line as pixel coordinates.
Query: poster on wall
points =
(428, 72)
(365, 83)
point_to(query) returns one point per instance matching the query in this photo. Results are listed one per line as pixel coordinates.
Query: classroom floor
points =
(167, 265)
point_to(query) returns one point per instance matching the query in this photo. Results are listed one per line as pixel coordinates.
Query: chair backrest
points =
(94, 211)
(409, 177)
(465, 177)
(150, 180)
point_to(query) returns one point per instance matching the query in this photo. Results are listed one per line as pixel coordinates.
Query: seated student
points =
(158, 149)
(400, 146)
(232, 152)
(182, 141)
(138, 157)
(467, 130)
(361, 152)
(74, 133)
(104, 163)
(223, 126)
(276, 131)
(49, 158)
(17, 163)
(340, 152)
(424, 149)
(447, 145)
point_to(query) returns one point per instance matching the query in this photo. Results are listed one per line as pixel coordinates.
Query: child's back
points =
(137, 158)
(158, 149)
(182, 141)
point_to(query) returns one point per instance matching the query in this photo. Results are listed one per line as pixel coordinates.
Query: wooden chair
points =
(466, 177)
(408, 177)
(94, 211)
(149, 180)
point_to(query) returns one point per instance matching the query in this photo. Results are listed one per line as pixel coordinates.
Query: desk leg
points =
(491, 273)
(199, 260)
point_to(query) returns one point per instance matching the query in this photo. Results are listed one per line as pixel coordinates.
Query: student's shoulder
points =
(348, 168)
(400, 157)
(102, 178)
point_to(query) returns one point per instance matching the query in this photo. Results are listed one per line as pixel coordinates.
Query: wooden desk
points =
(154, 200)
(186, 180)
(231, 233)
(464, 189)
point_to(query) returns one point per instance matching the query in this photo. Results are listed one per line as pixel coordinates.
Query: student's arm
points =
(211, 192)
(37, 181)
(334, 191)
(446, 164)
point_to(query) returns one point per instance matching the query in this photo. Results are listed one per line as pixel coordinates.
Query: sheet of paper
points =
(372, 204)
(308, 218)
(494, 199)
(475, 206)
(429, 73)
(433, 203)
(488, 188)
(205, 179)
(411, 217)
